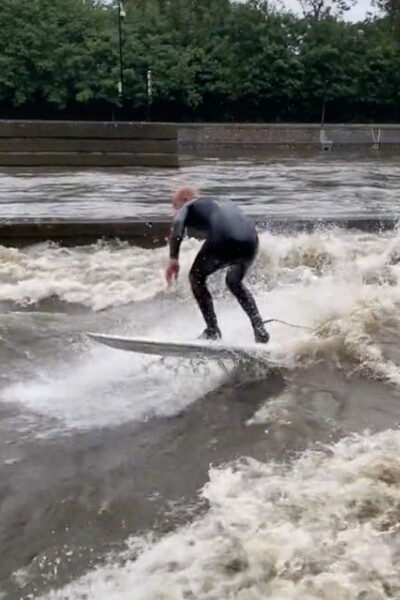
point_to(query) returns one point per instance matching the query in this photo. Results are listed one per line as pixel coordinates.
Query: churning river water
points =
(129, 477)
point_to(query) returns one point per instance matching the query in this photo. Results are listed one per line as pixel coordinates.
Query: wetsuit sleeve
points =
(177, 232)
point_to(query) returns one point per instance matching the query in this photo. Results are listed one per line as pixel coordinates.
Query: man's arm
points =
(177, 232)
(175, 239)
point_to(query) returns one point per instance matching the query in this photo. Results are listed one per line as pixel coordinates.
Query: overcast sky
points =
(358, 13)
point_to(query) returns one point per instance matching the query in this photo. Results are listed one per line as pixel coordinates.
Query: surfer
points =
(231, 241)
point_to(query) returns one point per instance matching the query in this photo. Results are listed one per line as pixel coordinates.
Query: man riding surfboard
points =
(231, 241)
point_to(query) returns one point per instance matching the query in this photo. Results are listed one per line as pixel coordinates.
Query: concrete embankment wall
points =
(207, 138)
(125, 144)
(155, 234)
(88, 144)
(83, 144)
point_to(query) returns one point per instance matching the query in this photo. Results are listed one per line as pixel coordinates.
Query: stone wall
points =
(117, 144)
(208, 137)
(90, 144)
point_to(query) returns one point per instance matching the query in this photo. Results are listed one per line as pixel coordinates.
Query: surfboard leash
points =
(286, 323)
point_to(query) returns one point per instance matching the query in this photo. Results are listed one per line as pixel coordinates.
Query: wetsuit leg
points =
(207, 261)
(234, 282)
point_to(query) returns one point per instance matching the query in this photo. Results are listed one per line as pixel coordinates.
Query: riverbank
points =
(89, 144)
(298, 138)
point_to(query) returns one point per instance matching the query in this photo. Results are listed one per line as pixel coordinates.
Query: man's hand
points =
(172, 270)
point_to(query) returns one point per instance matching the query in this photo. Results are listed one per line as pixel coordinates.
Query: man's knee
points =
(234, 278)
(197, 280)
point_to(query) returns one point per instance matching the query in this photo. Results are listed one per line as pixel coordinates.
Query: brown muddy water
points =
(131, 477)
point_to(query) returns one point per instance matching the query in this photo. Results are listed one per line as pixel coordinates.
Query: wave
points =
(97, 277)
(104, 274)
(342, 287)
(325, 526)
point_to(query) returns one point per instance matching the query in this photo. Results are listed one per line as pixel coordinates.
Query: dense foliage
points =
(211, 60)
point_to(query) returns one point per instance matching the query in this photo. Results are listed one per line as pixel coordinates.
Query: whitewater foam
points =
(104, 275)
(105, 389)
(324, 526)
(97, 277)
(343, 286)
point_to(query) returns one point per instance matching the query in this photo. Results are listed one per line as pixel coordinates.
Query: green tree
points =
(210, 59)
(54, 52)
(321, 9)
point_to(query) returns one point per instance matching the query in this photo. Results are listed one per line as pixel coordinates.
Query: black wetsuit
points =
(231, 241)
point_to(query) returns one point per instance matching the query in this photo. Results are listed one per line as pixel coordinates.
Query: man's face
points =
(178, 202)
(181, 197)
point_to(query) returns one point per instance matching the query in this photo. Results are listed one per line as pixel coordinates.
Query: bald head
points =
(181, 196)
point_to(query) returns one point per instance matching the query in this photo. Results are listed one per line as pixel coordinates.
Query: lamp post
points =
(149, 93)
(121, 15)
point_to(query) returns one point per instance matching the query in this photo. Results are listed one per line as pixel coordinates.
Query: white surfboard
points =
(187, 349)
